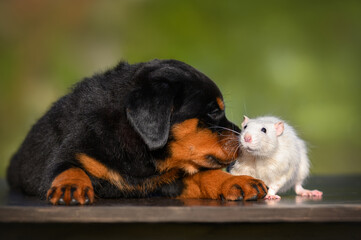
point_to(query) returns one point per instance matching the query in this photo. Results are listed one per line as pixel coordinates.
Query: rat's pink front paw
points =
(310, 193)
(272, 197)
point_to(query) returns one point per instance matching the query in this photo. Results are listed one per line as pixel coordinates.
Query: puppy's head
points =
(179, 110)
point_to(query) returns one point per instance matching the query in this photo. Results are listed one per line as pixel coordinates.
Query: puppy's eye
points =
(264, 130)
(214, 113)
(245, 127)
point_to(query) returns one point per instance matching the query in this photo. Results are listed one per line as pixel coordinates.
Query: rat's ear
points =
(279, 128)
(245, 121)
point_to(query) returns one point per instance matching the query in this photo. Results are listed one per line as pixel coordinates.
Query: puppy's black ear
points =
(149, 111)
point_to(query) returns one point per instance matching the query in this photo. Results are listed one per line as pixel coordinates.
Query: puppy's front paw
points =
(243, 188)
(71, 187)
(70, 195)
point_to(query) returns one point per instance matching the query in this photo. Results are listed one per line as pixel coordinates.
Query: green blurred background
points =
(300, 60)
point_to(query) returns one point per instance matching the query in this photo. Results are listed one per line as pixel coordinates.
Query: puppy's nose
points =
(248, 138)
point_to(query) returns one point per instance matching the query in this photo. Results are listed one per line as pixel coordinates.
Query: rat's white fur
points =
(280, 161)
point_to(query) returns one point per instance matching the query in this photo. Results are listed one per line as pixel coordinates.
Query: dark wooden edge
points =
(329, 213)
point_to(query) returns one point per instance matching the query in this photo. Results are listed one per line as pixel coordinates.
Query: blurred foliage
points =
(300, 60)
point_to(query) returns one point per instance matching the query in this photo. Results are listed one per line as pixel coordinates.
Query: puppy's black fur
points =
(123, 118)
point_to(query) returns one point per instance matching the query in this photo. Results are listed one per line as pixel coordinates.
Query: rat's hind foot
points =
(307, 193)
(272, 197)
(310, 193)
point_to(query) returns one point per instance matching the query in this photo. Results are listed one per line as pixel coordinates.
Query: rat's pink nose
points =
(248, 138)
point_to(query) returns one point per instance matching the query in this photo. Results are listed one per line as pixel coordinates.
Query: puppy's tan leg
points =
(217, 184)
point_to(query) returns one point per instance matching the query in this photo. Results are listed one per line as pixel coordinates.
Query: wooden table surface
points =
(341, 202)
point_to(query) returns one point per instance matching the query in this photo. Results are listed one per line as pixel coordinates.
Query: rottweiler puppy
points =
(148, 129)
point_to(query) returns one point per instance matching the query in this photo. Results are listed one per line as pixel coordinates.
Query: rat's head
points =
(259, 137)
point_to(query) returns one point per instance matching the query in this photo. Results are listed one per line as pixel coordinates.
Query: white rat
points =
(272, 152)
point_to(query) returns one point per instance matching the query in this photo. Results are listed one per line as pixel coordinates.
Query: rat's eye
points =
(264, 130)
(245, 127)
